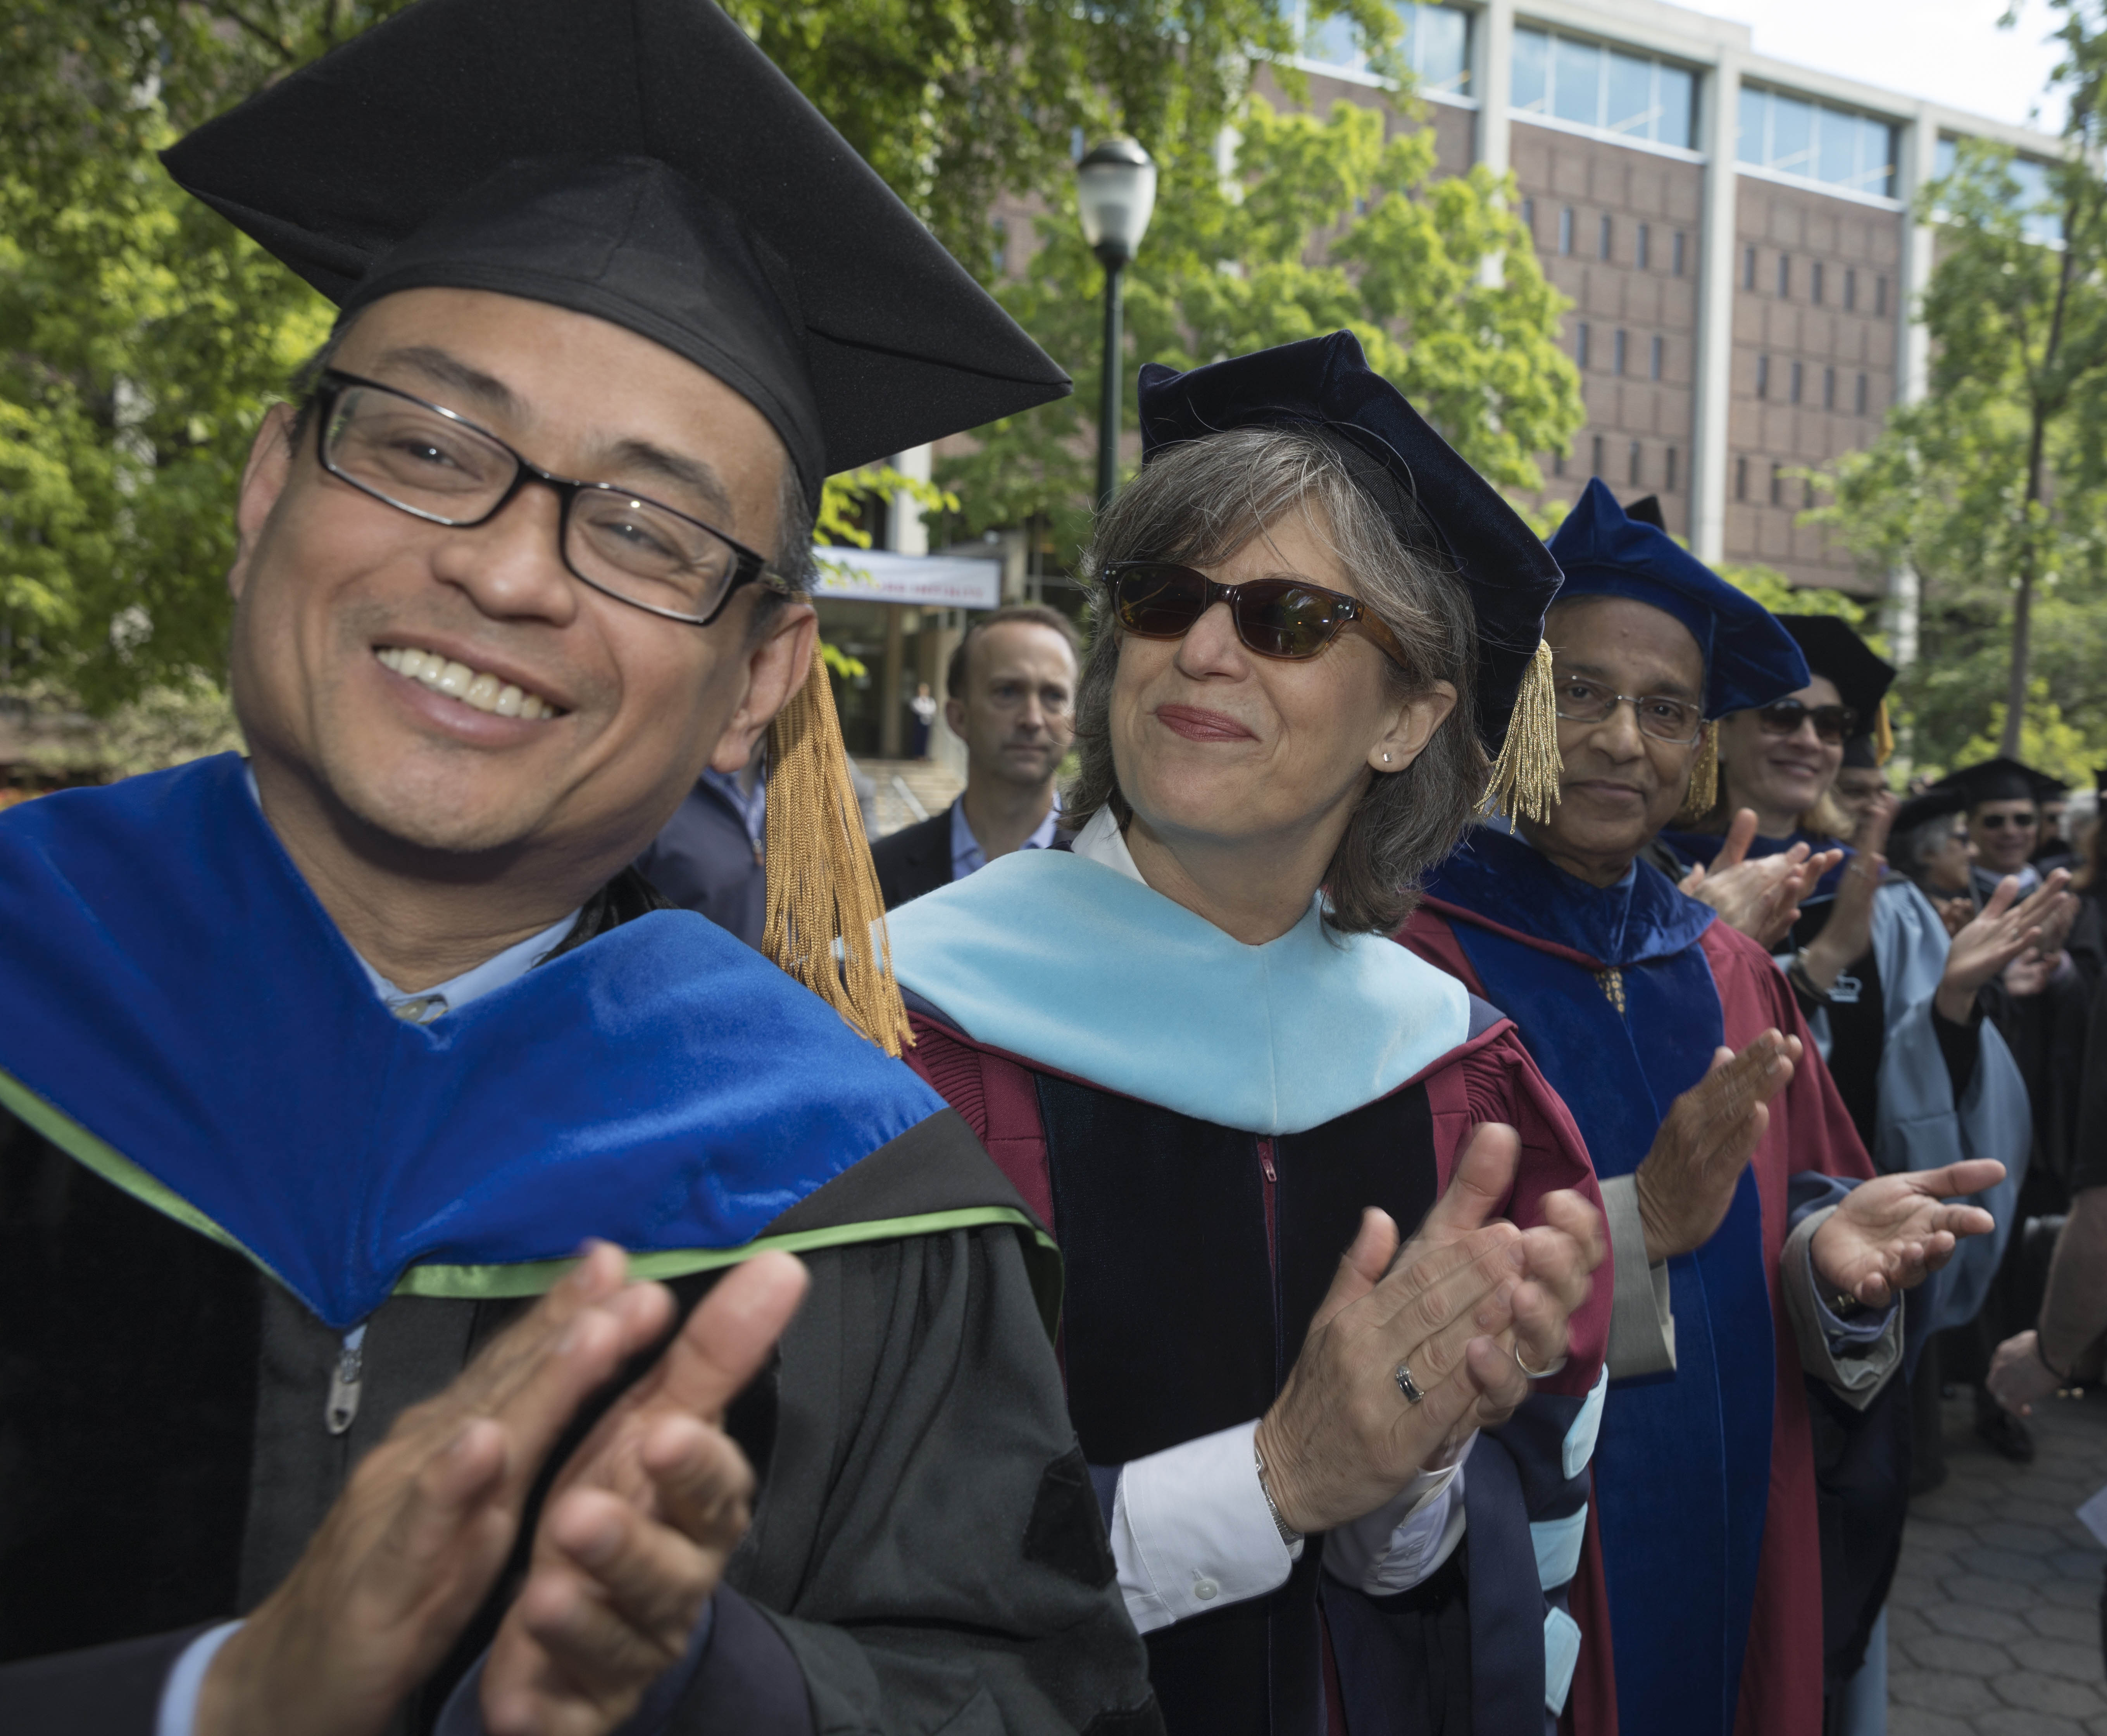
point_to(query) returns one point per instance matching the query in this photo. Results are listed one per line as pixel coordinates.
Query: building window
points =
(1748, 268)
(1435, 43)
(2039, 217)
(1558, 464)
(1566, 230)
(1807, 494)
(1596, 467)
(1850, 292)
(1580, 345)
(1660, 350)
(1862, 395)
(1529, 219)
(1675, 254)
(1763, 376)
(1777, 485)
(1785, 276)
(1642, 245)
(1627, 96)
(1617, 353)
(1638, 464)
(1740, 478)
(998, 246)
(1814, 142)
(1814, 283)
(1668, 471)
(1829, 389)
(1880, 298)
(1795, 383)
(1602, 248)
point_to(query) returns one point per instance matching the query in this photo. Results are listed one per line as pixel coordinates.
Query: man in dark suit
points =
(1011, 698)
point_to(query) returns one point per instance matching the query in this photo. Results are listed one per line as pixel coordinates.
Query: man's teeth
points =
(486, 692)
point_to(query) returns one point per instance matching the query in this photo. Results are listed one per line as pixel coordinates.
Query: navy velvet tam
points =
(1325, 385)
(641, 161)
(1749, 660)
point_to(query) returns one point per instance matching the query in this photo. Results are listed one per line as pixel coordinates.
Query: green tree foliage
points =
(141, 337)
(1991, 488)
(1321, 223)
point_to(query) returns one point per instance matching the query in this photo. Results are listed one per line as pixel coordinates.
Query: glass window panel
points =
(1792, 136)
(1532, 65)
(1678, 97)
(1943, 158)
(1332, 42)
(1755, 126)
(1440, 47)
(1836, 147)
(1876, 157)
(1631, 95)
(1576, 82)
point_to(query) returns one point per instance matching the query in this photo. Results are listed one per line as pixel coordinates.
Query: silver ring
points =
(1407, 1385)
(1537, 1374)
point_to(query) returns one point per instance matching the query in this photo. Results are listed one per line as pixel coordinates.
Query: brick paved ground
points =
(1994, 1622)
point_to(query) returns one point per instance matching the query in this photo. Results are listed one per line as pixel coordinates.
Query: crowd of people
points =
(1430, 1187)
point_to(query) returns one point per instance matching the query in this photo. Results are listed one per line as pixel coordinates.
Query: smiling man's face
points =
(457, 697)
(1619, 786)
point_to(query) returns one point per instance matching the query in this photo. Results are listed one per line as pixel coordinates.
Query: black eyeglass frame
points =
(751, 567)
(1355, 616)
(1634, 700)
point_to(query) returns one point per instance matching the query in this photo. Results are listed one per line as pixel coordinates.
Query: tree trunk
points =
(2023, 604)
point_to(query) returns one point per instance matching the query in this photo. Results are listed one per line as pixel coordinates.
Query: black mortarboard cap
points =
(1647, 510)
(1936, 803)
(1326, 385)
(1749, 660)
(642, 161)
(2001, 780)
(1833, 650)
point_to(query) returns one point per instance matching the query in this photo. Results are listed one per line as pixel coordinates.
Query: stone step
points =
(932, 786)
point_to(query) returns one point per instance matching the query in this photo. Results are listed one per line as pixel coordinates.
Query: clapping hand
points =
(2004, 929)
(2018, 1379)
(1460, 1306)
(1762, 898)
(1706, 1139)
(1849, 932)
(1891, 1233)
(637, 1528)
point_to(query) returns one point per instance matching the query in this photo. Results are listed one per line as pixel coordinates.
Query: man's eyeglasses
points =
(1283, 618)
(1832, 723)
(2001, 822)
(1665, 719)
(426, 460)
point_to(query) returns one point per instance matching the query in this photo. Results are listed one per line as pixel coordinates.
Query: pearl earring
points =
(1386, 759)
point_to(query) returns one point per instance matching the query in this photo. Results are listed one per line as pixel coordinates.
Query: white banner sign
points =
(945, 581)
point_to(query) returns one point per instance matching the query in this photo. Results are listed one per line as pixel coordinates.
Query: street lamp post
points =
(1116, 189)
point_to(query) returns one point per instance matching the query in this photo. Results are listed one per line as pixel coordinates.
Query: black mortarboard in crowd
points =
(1862, 679)
(2001, 780)
(1647, 510)
(1938, 802)
(1605, 551)
(641, 161)
(1326, 386)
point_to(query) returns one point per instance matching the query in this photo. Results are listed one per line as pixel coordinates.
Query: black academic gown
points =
(925, 1552)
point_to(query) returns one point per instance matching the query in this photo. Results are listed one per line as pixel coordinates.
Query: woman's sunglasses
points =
(1284, 618)
(1832, 723)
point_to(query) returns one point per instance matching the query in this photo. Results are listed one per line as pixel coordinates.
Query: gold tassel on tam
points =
(823, 891)
(1883, 735)
(1704, 781)
(1524, 780)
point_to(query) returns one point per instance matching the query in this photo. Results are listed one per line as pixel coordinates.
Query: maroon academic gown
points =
(1781, 1684)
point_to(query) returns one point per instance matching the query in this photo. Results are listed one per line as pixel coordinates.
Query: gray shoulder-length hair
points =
(1198, 503)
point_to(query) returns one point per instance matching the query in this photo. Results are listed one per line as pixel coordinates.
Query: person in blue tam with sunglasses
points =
(1749, 1244)
(1337, 1490)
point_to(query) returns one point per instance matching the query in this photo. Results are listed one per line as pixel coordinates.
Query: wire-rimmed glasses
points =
(428, 461)
(1665, 719)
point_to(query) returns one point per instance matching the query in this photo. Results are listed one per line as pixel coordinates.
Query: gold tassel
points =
(1703, 795)
(1526, 776)
(1883, 735)
(822, 887)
